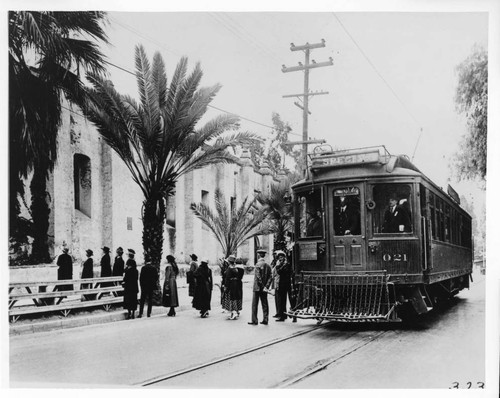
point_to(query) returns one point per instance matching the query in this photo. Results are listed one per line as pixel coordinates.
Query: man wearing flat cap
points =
(262, 281)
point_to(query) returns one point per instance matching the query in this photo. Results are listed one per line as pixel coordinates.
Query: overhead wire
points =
(250, 38)
(210, 106)
(142, 35)
(383, 79)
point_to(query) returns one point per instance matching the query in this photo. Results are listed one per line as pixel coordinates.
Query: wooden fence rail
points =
(35, 297)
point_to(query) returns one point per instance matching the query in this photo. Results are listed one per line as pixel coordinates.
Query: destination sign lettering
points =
(346, 191)
(345, 159)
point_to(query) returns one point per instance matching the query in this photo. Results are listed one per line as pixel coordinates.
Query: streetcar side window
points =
(310, 214)
(432, 206)
(447, 223)
(392, 212)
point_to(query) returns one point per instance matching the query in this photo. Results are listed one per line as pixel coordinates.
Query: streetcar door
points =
(346, 228)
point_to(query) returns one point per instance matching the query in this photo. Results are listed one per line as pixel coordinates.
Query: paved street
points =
(447, 347)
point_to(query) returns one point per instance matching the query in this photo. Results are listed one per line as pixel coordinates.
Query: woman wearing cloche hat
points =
(234, 288)
(193, 266)
(170, 296)
(130, 285)
(88, 272)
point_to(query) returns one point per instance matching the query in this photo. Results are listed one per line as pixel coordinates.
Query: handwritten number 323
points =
(456, 384)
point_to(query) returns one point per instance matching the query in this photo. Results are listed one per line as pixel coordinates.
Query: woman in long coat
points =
(193, 266)
(170, 297)
(65, 270)
(88, 265)
(88, 272)
(234, 288)
(224, 265)
(130, 285)
(203, 290)
(106, 266)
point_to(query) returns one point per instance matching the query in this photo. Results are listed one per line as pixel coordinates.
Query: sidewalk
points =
(131, 352)
(99, 316)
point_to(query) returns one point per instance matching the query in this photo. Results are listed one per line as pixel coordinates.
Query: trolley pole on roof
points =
(306, 94)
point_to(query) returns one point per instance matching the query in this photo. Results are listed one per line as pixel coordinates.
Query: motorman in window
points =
(348, 221)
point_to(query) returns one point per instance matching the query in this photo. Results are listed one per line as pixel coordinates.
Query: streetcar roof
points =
(357, 163)
(361, 163)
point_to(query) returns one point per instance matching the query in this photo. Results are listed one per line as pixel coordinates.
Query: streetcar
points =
(375, 239)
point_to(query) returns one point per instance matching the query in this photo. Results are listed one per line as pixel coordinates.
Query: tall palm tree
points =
(46, 51)
(157, 136)
(232, 227)
(279, 210)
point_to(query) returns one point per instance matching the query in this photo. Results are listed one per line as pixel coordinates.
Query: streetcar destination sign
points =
(345, 159)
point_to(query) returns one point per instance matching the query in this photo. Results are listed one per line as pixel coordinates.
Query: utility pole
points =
(306, 94)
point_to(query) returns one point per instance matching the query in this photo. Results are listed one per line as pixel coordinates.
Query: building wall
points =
(70, 225)
(116, 201)
(126, 224)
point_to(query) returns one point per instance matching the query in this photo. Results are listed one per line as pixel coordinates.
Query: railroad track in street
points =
(308, 371)
(323, 363)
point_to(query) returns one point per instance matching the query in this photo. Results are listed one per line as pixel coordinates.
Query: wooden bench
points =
(48, 296)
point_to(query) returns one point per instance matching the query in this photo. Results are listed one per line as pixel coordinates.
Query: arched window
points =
(82, 180)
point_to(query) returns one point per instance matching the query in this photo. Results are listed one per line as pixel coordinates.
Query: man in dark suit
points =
(262, 281)
(283, 269)
(348, 221)
(147, 280)
(396, 218)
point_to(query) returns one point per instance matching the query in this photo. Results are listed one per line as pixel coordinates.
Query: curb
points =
(78, 321)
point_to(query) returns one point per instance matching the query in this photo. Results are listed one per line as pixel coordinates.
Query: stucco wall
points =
(115, 198)
(78, 230)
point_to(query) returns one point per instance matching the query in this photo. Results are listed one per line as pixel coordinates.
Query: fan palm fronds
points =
(232, 228)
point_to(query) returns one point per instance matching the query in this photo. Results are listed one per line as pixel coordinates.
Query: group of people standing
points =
(65, 264)
(276, 276)
(148, 280)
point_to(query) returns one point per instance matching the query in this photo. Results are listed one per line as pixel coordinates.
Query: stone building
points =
(95, 202)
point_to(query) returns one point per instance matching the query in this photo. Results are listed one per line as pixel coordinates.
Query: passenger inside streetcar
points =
(315, 224)
(311, 214)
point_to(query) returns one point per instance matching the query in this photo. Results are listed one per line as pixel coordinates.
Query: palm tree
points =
(232, 227)
(157, 138)
(277, 205)
(46, 51)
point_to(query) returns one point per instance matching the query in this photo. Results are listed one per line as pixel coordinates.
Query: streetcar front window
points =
(346, 211)
(392, 213)
(310, 214)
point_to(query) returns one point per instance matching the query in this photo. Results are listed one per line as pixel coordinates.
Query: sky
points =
(393, 77)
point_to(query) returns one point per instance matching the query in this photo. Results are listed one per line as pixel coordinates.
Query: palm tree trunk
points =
(40, 212)
(152, 237)
(152, 233)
